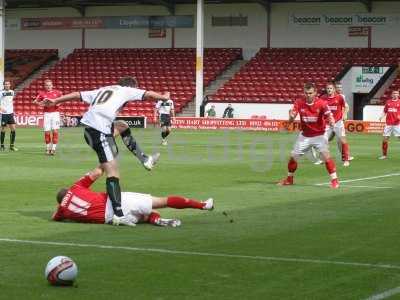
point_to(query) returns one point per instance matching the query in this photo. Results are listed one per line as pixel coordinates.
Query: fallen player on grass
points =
(81, 204)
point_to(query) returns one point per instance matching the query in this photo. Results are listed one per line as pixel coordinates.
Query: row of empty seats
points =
(20, 63)
(394, 86)
(274, 75)
(156, 69)
(277, 75)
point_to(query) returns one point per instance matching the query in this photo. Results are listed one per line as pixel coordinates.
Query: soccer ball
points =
(61, 270)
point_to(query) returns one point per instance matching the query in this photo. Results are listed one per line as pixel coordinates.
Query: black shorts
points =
(165, 120)
(103, 144)
(7, 119)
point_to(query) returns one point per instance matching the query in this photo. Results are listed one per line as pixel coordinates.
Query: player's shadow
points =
(41, 214)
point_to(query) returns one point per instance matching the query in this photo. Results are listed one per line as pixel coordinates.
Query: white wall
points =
(372, 112)
(246, 110)
(381, 37)
(280, 111)
(250, 38)
(284, 35)
(64, 40)
(125, 38)
(347, 86)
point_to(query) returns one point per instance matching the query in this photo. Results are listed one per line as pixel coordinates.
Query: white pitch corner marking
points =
(385, 294)
(362, 179)
(359, 186)
(368, 186)
(207, 254)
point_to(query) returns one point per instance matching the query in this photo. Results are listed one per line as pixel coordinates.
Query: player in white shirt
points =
(105, 103)
(164, 110)
(7, 115)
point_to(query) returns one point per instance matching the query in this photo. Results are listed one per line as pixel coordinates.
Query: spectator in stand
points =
(228, 112)
(211, 112)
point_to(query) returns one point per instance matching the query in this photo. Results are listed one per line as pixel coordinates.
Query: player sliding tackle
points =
(79, 203)
(105, 103)
(313, 115)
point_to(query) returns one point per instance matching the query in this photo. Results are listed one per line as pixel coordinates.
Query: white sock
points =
(54, 147)
(339, 146)
(314, 155)
(333, 175)
(48, 147)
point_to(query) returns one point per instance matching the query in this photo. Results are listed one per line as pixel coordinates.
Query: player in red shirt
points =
(337, 105)
(79, 203)
(313, 115)
(392, 113)
(51, 116)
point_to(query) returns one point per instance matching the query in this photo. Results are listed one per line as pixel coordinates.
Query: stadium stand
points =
(156, 69)
(277, 75)
(21, 63)
(394, 86)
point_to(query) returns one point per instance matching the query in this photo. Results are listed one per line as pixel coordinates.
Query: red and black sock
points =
(331, 168)
(292, 166)
(55, 137)
(179, 202)
(385, 146)
(153, 217)
(47, 138)
(345, 151)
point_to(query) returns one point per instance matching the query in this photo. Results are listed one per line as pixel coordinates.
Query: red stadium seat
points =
(156, 69)
(280, 72)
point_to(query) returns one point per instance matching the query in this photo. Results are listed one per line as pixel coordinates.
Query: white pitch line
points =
(368, 186)
(359, 186)
(194, 253)
(385, 294)
(361, 179)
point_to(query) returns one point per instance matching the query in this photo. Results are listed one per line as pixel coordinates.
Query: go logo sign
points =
(355, 127)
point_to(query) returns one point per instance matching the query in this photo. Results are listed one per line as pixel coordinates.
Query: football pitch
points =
(262, 241)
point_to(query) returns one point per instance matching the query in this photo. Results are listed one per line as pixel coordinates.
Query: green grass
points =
(238, 169)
